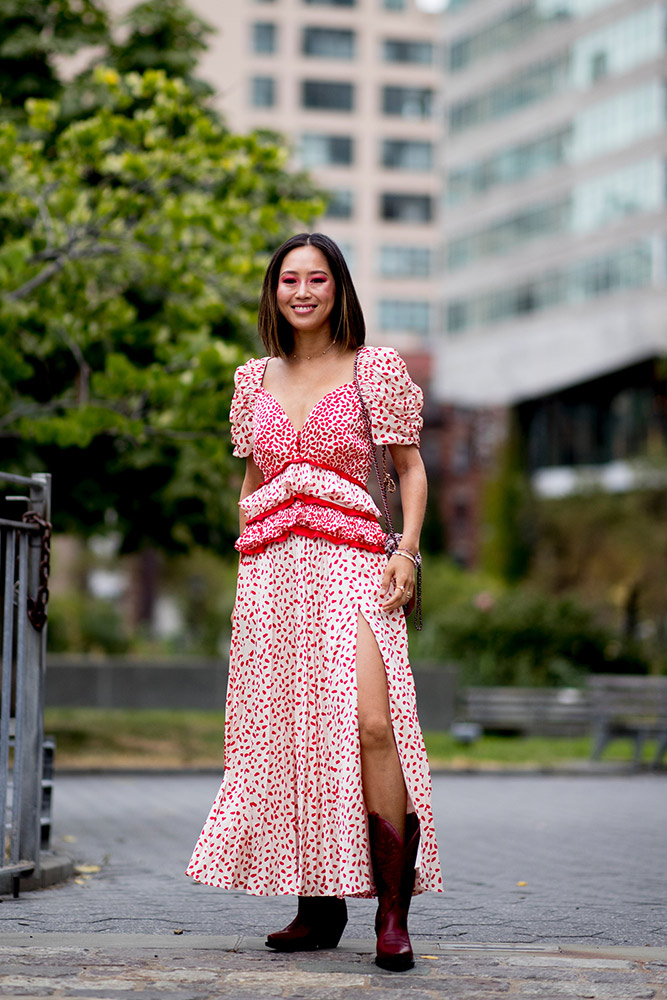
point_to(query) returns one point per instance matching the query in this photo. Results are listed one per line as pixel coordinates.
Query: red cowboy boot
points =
(319, 923)
(393, 863)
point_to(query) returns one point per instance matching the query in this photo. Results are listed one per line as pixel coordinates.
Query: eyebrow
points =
(318, 270)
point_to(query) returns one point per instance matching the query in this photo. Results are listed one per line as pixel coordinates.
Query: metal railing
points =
(24, 563)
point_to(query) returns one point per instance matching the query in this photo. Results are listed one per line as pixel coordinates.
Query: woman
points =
(326, 792)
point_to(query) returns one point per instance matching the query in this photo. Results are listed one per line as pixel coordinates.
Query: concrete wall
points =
(199, 683)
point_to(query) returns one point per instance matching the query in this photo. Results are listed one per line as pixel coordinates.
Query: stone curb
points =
(102, 941)
(53, 868)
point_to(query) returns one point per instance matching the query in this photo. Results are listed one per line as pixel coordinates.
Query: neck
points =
(311, 344)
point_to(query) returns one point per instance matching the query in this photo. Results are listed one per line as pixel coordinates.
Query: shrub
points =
(517, 635)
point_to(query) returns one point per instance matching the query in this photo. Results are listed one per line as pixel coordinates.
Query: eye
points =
(289, 281)
(319, 279)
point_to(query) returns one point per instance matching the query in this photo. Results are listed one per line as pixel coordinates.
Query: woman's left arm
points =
(400, 570)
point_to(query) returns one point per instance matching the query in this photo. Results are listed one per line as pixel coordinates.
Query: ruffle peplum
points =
(305, 499)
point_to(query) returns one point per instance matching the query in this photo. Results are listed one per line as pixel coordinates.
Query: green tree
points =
(161, 34)
(132, 248)
(33, 34)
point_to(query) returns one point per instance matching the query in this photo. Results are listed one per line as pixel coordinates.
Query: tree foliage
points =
(132, 248)
(33, 34)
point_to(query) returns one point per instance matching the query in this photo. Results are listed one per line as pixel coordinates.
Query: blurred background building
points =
(496, 172)
(554, 235)
(356, 87)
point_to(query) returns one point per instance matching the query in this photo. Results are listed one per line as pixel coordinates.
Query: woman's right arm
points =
(252, 480)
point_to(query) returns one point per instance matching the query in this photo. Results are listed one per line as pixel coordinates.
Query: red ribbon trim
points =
(310, 533)
(315, 501)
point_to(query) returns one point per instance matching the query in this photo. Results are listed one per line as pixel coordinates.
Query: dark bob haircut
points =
(347, 319)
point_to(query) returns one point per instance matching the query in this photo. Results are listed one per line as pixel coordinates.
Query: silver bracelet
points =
(406, 555)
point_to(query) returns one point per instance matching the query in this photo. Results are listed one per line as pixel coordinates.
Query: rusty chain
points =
(37, 605)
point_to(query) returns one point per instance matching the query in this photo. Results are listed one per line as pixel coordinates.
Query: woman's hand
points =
(398, 583)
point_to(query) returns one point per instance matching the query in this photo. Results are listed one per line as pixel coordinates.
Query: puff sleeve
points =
(247, 382)
(392, 399)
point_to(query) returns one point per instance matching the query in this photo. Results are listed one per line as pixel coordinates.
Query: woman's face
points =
(306, 290)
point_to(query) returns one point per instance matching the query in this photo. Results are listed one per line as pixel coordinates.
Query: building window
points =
(404, 315)
(515, 230)
(515, 27)
(340, 204)
(349, 252)
(611, 124)
(329, 43)
(396, 50)
(326, 150)
(405, 262)
(404, 154)
(406, 207)
(616, 48)
(264, 36)
(627, 268)
(262, 92)
(408, 102)
(327, 95)
(529, 85)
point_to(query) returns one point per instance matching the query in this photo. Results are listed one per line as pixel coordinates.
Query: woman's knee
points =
(375, 731)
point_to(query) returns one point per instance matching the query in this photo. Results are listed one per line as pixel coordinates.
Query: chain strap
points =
(387, 485)
(37, 606)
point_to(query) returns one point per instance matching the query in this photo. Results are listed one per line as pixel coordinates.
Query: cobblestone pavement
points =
(547, 877)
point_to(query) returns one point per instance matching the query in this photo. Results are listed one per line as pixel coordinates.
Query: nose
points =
(302, 291)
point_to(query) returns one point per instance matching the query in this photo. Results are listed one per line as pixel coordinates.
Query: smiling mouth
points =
(303, 308)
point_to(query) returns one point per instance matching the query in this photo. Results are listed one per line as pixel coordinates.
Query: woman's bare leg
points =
(382, 775)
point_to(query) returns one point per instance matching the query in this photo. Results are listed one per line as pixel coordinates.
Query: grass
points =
(161, 738)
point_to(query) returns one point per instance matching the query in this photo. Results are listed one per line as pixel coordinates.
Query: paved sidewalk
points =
(562, 880)
(73, 967)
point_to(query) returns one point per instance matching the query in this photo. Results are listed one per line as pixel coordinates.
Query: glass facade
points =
(611, 418)
(509, 165)
(600, 128)
(264, 37)
(262, 92)
(508, 233)
(515, 27)
(328, 43)
(625, 268)
(318, 150)
(404, 154)
(408, 102)
(529, 85)
(406, 208)
(396, 50)
(592, 204)
(619, 121)
(404, 315)
(638, 187)
(617, 48)
(327, 95)
(404, 262)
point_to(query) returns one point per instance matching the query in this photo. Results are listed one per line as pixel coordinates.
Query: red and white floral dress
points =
(290, 817)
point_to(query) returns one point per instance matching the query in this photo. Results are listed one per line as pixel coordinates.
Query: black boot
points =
(319, 923)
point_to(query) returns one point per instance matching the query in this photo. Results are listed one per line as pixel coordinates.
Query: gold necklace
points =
(309, 357)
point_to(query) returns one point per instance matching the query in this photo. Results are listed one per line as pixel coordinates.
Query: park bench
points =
(526, 711)
(629, 707)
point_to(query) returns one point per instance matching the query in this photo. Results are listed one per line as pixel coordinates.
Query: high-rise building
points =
(554, 232)
(354, 86)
